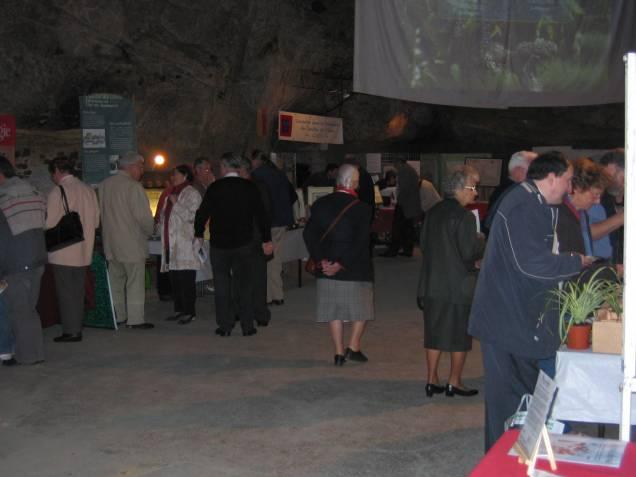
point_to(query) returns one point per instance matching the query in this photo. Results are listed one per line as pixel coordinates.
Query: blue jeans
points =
(6, 334)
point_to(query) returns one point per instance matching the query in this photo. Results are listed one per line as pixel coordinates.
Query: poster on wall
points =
(309, 128)
(7, 137)
(489, 170)
(108, 130)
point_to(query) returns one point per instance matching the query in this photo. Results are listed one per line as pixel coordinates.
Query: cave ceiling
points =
(199, 70)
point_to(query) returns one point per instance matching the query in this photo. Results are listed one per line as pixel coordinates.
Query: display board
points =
(108, 131)
(7, 137)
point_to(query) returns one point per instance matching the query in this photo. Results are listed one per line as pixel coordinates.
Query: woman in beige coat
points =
(69, 264)
(178, 253)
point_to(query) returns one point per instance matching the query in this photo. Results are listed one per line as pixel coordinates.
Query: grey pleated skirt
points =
(344, 300)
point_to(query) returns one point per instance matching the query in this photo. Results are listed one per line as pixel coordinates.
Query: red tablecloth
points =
(498, 463)
(383, 220)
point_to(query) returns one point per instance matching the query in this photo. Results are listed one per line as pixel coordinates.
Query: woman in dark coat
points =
(344, 281)
(450, 248)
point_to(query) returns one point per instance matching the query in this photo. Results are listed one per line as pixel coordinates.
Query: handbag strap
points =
(64, 201)
(338, 217)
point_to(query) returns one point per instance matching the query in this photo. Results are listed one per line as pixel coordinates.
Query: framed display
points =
(314, 193)
(489, 170)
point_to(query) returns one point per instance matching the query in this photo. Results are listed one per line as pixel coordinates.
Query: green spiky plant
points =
(578, 300)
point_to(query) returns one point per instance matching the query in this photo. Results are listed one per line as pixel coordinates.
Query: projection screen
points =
(494, 53)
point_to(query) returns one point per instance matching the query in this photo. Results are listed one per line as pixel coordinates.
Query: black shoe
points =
(434, 389)
(141, 326)
(355, 356)
(452, 390)
(276, 302)
(175, 317)
(339, 360)
(262, 323)
(222, 332)
(9, 362)
(251, 332)
(187, 319)
(68, 338)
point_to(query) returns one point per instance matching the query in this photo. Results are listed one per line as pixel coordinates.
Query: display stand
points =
(531, 461)
(534, 431)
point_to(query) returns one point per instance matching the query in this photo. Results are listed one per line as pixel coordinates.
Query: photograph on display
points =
(93, 138)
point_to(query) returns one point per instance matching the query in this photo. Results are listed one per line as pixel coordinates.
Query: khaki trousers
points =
(127, 282)
(275, 267)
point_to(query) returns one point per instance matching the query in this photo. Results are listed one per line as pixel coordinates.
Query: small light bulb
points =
(159, 160)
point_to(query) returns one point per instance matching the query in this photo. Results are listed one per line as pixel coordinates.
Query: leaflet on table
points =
(584, 450)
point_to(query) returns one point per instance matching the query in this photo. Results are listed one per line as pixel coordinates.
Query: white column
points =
(629, 293)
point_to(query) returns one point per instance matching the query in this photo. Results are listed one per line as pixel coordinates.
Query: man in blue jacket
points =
(520, 266)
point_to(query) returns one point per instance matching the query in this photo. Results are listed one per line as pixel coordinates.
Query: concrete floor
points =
(180, 401)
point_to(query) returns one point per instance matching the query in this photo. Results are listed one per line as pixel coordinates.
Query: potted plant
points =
(577, 302)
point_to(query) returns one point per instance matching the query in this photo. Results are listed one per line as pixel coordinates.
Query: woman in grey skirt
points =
(450, 248)
(337, 238)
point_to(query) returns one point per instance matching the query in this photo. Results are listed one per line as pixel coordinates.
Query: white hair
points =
(346, 174)
(520, 159)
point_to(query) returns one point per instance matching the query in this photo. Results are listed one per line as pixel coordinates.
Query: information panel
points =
(108, 130)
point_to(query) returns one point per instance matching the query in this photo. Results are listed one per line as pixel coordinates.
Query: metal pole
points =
(629, 293)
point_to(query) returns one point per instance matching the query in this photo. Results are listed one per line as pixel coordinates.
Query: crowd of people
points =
(551, 220)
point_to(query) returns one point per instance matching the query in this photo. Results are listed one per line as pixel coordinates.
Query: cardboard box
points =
(607, 337)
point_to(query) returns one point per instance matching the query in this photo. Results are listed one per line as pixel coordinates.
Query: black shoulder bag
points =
(68, 230)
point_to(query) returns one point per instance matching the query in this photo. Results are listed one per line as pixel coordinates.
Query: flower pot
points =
(579, 336)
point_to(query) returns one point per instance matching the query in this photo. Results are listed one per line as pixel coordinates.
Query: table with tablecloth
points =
(292, 248)
(498, 463)
(589, 387)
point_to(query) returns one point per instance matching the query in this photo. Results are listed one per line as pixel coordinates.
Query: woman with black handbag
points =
(70, 255)
(337, 238)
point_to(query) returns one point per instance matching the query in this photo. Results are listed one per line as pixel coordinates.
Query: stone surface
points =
(199, 70)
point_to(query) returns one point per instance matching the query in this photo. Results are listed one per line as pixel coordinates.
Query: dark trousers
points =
(227, 265)
(402, 232)
(163, 281)
(70, 288)
(262, 314)
(507, 378)
(184, 293)
(21, 296)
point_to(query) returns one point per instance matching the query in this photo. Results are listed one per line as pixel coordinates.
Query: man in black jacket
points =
(233, 205)
(521, 265)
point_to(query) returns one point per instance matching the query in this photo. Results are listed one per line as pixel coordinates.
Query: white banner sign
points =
(309, 128)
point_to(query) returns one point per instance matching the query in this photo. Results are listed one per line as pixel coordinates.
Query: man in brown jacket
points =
(126, 225)
(70, 263)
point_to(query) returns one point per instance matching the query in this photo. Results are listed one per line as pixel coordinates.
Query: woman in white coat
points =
(178, 254)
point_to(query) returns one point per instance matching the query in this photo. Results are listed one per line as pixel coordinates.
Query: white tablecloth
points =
(589, 387)
(292, 246)
(203, 274)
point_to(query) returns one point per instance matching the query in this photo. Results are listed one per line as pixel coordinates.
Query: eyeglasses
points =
(473, 188)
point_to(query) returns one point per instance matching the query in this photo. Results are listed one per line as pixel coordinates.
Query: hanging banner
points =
(7, 137)
(108, 130)
(309, 128)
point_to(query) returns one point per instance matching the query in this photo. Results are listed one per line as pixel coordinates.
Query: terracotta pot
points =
(579, 336)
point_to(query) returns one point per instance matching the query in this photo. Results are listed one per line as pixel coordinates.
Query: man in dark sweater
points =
(233, 205)
(521, 265)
